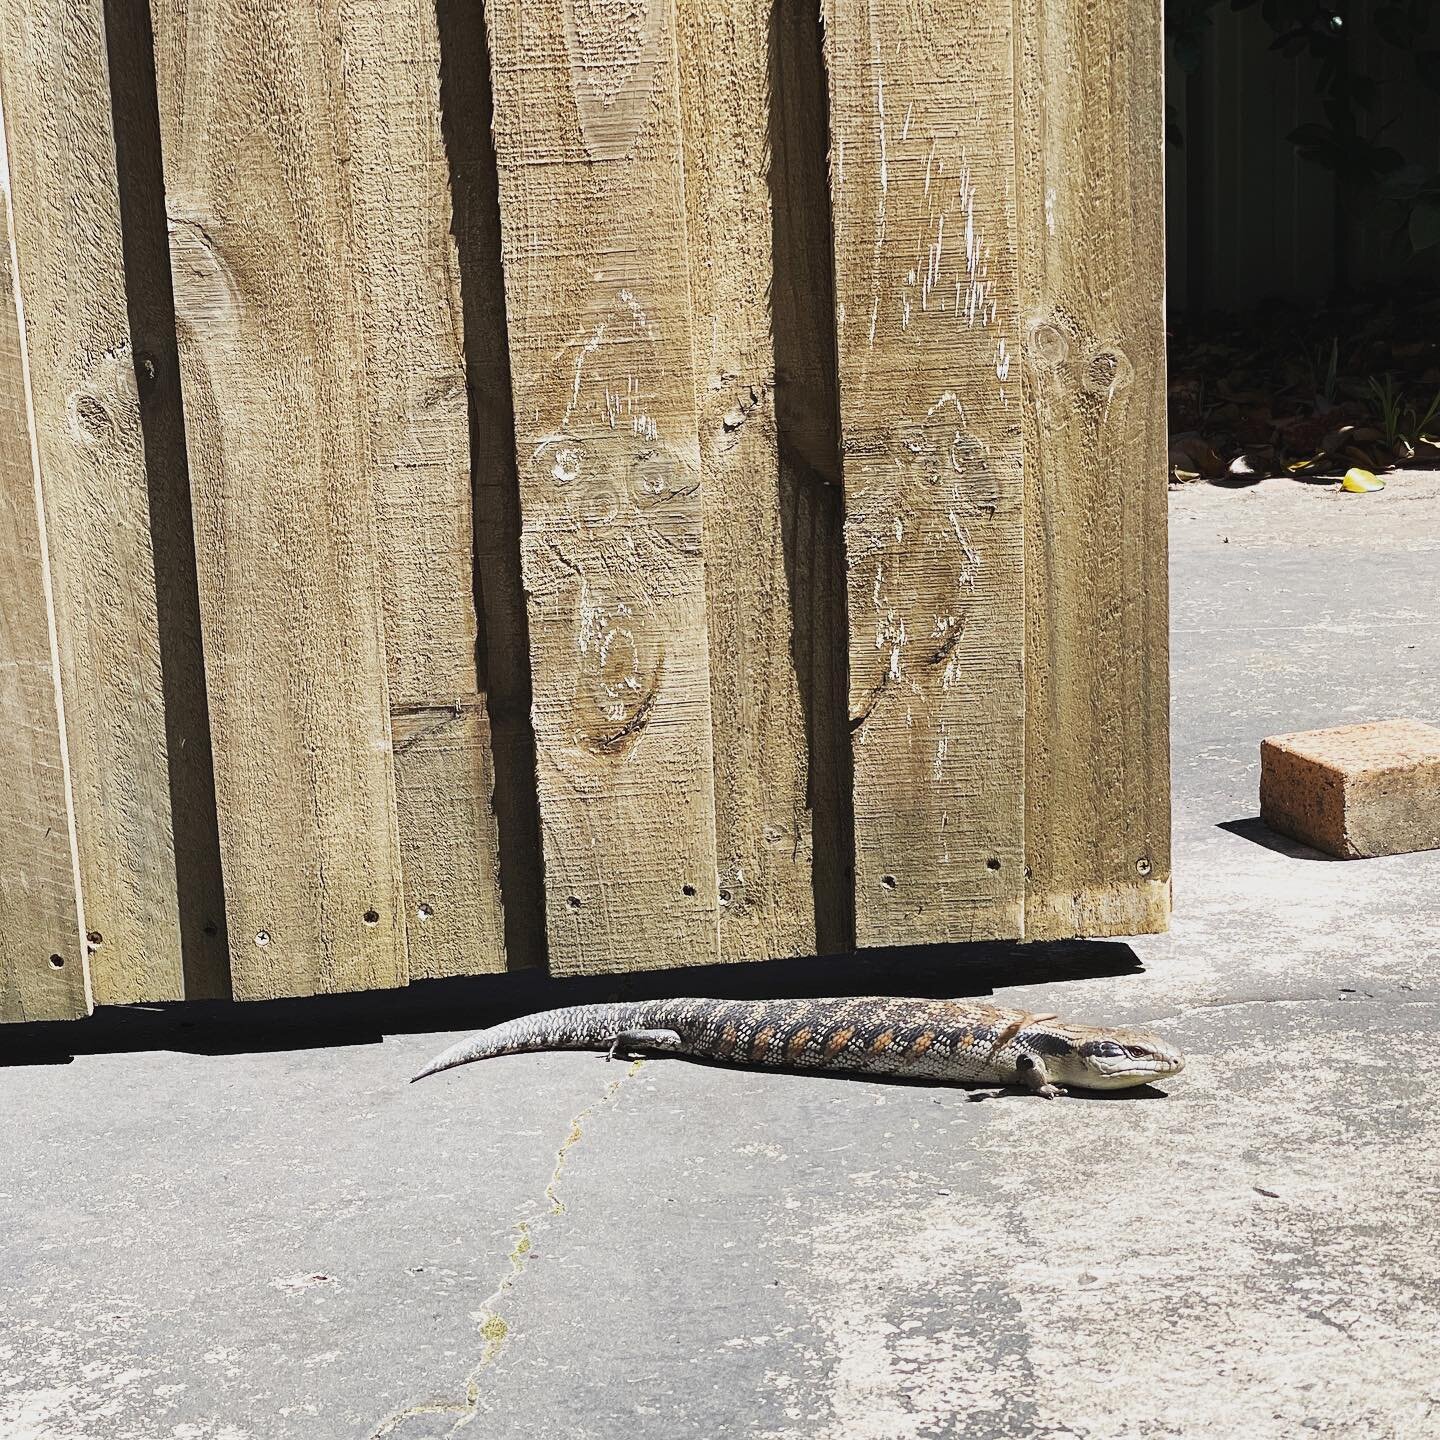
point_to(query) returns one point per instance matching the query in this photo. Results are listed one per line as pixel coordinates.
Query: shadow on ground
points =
(229, 1028)
(1254, 829)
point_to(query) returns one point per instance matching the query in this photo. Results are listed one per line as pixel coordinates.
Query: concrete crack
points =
(1343, 997)
(494, 1329)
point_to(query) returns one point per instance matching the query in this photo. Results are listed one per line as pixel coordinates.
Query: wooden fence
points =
(719, 513)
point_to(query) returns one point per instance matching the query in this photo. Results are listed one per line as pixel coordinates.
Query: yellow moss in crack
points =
(557, 1206)
(493, 1329)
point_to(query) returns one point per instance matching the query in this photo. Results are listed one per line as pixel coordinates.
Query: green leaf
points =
(1425, 226)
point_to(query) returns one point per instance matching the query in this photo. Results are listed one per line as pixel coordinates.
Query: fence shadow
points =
(365, 1018)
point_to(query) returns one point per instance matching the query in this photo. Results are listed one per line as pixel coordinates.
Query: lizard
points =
(963, 1041)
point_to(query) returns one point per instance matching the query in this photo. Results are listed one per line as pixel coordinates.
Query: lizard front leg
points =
(1033, 1077)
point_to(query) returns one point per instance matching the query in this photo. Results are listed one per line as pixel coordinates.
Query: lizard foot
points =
(631, 1040)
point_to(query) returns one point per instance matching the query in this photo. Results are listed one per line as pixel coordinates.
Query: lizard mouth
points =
(1122, 1075)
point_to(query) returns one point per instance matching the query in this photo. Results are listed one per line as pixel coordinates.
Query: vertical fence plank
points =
(593, 225)
(1093, 287)
(467, 105)
(419, 438)
(257, 141)
(807, 417)
(923, 165)
(150, 301)
(68, 253)
(42, 952)
(764, 835)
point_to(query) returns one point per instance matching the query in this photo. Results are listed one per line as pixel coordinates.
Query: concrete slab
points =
(232, 1225)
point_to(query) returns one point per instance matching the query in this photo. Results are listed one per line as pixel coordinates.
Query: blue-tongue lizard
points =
(962, 1041)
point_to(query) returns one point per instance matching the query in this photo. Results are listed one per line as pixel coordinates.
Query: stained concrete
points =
(214, 1228)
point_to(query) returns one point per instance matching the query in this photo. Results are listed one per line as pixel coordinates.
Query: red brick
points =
(1355, 791)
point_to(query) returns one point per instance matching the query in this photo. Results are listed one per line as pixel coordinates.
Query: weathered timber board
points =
(1097, 791)
(257, 136)
(69, 264)
(923, 167)
(764, 830)
(592, 208)
(419, 449)
(42, 951)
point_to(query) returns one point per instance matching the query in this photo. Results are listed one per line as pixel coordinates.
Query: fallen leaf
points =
(1258, 461)
(1361, 482)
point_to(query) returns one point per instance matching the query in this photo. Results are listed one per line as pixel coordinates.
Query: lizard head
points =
(1094, 1059)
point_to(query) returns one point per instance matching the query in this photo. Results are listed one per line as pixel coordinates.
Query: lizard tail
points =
(578, 1027)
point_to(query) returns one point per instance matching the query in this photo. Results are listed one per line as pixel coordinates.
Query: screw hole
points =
(424, 911)
(725, 897)
(687, 889)
(573, 901)
(95, 938)
(992, 863)
(262, 938)
(1142, 866)
(372, 917)
(888, 881)
(58, 961)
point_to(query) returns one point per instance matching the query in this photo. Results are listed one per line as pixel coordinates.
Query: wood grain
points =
(419, 451)
(42, 949)
(68, 256)
(923, 167)
(1092, 273)
(258, 139)
(764, 831)
(597, 293)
